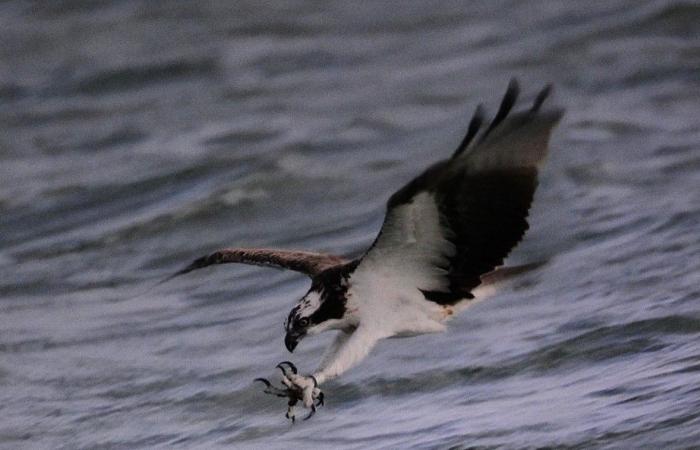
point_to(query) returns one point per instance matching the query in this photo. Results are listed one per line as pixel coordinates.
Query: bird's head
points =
(321, 309)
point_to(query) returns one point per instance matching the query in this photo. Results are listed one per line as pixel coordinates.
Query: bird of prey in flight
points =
(444, 237)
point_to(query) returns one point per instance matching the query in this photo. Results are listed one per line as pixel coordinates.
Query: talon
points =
(272, 390)
(290, 409)
(313, 411)
(263, 380)
(295, 388)
(292, 367)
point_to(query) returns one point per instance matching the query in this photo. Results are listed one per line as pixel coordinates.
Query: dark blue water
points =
(137, 135)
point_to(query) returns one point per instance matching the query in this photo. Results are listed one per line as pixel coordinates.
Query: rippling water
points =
(137, 135)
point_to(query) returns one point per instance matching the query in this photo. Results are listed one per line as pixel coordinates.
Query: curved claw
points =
(313, 411)
(320, 399)
(292, 367)
(263, 380)
(272, 390)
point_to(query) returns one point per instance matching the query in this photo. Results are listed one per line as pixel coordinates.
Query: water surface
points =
(138, 135)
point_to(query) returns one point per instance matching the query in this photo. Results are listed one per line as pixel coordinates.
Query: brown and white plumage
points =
(444, 233)
(309, 263)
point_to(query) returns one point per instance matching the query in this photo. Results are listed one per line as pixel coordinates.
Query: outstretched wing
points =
(309, 263)
(459, 219)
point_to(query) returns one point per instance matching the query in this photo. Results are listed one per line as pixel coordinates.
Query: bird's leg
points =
(346, 351)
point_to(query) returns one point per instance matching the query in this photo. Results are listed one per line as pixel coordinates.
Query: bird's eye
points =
(303, 322)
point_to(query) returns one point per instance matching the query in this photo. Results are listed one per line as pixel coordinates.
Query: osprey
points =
(444, 235)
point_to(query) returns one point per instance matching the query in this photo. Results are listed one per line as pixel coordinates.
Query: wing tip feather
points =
(507, 103)
(474, 125)
(544, 93)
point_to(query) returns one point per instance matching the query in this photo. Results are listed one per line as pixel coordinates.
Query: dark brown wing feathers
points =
(474, 125)
(509, 99)
(309, 263)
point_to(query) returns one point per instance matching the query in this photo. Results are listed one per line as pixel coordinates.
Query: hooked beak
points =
(292, 339)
